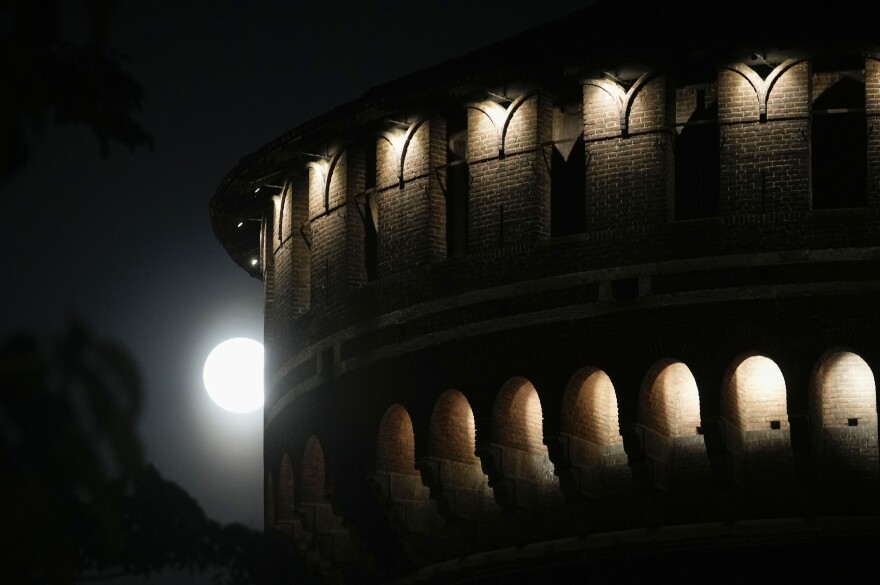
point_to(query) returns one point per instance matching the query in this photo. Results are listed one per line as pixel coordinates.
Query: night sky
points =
(125, 243)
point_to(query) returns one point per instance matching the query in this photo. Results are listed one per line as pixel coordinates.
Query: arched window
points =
(697, 151)
(838, 135)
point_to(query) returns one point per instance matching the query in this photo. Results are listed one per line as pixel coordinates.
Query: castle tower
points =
(585, 296)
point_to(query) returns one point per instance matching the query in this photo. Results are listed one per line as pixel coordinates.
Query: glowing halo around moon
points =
(233, 375)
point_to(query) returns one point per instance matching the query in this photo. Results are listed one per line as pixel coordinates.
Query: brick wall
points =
(510, 195)
(285, 498)
(764, 165)
(872, 109)
(291, 264)
(337, 255)
(628, 177)
(412, 219)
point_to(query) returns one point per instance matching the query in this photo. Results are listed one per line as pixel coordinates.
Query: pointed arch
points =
(624, 98)
(400, 146)
(501, 116)
(763, 86)
(334, 161)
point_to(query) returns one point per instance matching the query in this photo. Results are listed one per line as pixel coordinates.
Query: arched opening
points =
(669, 403)
(397, 479)
(285, 503)
(753, 398)
(843, 409)
(452, 431)
(697, 152)
(591, 425)
(838, 135)
(590, 408)
(669, 413)
(331, 539)
(758, 439)
(527, 478)
(460, 487)
(313, 477)
(395, 447)
(568, 172)
(458, 182)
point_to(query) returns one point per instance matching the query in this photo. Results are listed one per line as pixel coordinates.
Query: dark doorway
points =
(698, 161)
(458, 182)
(568, 207)
(838, 139)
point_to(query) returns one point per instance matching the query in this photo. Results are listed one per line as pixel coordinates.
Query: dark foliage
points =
(76, 500)
(47, 76)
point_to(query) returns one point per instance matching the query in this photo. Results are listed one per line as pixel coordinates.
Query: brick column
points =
(510, 193)
(764, 165)
(872, 109)
(412, 210)
(627, 186)
(291, 261)
(337, 255)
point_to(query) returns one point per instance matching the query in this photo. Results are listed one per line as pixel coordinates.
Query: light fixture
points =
(254, 261)
(241, 223)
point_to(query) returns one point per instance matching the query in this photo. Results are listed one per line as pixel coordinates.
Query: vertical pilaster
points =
(337, 255)
(510, 193)
(412, 209)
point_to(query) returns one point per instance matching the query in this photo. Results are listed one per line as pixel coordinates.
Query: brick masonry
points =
(645, 372)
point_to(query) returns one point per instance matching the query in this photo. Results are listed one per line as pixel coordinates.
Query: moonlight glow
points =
(234, 375)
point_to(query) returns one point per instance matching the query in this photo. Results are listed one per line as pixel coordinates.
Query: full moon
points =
(233, 375)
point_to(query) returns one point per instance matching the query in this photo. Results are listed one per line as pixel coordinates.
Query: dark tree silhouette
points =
(77, 502)
(45, 75)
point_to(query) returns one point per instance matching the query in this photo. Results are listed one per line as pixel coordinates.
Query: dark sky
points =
(125, 244)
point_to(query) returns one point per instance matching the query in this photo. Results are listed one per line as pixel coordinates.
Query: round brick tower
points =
(597, 300)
